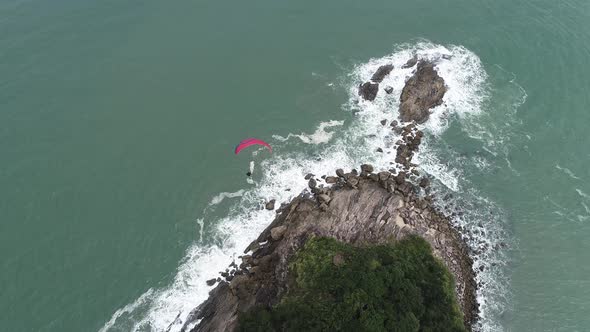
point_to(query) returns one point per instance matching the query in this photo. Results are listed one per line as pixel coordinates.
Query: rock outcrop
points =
(270, 205)
(368, 90)
(381, 72)
(372, 209)
(424, 90)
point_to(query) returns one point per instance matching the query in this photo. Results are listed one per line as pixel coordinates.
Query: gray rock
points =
(353, 181)
(340, 172)
(422, 92)
(381, 72)
(369, 90)
(247, 259)
(411, 63)
(367, 168)
(380, 150)
(331, 179)
(383, 176)
(312, 183)
(383, 122)
(277, 232)
(424, 182)
(270, 205)
(308, 176)
(211, 282)
(324, 198)
(388, 90)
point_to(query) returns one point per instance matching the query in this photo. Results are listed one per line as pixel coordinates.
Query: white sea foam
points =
(221, 196)
(201, 224)
(320, 136)
(168, 308)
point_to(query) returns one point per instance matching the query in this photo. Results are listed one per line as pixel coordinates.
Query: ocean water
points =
(120, 193)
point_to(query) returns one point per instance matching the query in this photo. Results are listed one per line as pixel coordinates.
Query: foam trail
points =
(222, 196)
(201, 229)
(356, 142)
(567, 171)
(320, 136)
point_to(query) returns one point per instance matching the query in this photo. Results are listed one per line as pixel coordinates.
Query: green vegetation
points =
(399, 287)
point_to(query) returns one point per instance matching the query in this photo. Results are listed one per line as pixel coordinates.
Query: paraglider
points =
(251, 141)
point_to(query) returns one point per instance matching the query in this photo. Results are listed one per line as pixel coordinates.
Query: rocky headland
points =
(358, 207)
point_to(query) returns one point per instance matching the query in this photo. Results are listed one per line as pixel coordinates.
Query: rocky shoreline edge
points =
(359, 208)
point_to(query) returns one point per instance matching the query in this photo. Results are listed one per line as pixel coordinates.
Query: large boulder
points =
(368, 90)
(381, 72)
(422, 92)
(270, 205)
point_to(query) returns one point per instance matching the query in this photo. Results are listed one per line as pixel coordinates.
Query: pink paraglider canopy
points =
(251, 141)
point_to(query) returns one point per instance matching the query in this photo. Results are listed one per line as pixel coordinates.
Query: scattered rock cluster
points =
(368, 90)
(423, 91)
(408, 145)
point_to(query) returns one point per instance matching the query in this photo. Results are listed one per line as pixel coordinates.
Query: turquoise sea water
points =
(118, 121)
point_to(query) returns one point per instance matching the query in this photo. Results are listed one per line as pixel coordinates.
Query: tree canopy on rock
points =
(339, 287)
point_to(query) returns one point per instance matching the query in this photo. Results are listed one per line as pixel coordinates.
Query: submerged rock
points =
(422, 91)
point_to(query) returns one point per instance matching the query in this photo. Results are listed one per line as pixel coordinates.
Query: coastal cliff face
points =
(359, 209)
